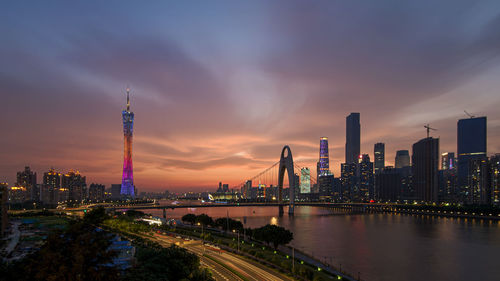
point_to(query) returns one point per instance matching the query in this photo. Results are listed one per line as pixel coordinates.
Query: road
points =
(249, 270)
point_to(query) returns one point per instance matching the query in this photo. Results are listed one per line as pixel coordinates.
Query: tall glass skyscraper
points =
(379, 153)
(471, 145)
(402, 158)
(128, 176)
(324, 160)
(353, 135)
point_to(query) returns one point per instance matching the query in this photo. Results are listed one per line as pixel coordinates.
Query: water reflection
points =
(382, 246)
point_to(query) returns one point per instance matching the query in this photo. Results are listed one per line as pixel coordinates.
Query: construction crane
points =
(428, 129)
(468, 114)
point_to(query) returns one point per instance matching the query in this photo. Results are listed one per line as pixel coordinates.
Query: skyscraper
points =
(471, 144)
(495, 178)
(447, 160)
(348, 181)
(127, 177)
(50, 188)
(75, 186)
(379, 154)
(27, 179)
(324, 160)
(402, 158)
(353, 135)
(305, 180)
(479, 191)
(365, 178)
(425, 164)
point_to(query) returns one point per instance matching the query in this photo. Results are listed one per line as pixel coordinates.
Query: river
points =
(382, 247)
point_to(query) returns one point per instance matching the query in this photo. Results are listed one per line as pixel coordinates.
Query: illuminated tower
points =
(128, 177)
(324, 165)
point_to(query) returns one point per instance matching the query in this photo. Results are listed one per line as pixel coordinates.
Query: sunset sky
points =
(218, 87)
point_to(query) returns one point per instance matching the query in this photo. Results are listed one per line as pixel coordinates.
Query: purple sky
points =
(218, 87)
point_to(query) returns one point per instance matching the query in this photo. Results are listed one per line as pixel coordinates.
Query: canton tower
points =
(128, 176)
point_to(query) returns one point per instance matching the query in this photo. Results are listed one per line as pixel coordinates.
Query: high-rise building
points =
(4, 195)
(75, 185)
(365, 178)
(448, 161)
(388, 185)
(379, 153)
(495, 179)
(479, 182)
(353, 136)
(348, 181)
(448, 188)
(27, 179)
(325, 185)
(305, 180)
(471, 144)
(51, 186)
(96, 192)
(402, 159)
(324, 160)
(425, 164)
(116, 191)
(127, 188)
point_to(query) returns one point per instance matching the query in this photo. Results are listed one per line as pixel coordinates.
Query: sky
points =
(219, 87)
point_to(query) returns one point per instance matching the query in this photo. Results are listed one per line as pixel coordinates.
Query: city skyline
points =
(233, 120)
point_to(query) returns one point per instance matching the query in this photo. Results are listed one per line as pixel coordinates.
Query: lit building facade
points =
(305, 180)
(348, 181)
(379, 155)
(27, 179)
(471, 145)
(479, 182)
(49, 191)
(448, 161)
(365, 178)
(324, 159)
(353, 138)
(495, 179)
(96, 192)
(74, 187)
(127, 188)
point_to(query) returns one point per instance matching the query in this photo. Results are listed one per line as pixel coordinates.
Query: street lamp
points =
(238, 239)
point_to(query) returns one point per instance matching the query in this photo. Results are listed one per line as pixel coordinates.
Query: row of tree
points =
(271, 234)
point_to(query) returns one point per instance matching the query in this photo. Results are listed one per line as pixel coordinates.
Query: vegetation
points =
(190, 218)
(274, 234)
(171, 263)
(225, 222)
(78, 253)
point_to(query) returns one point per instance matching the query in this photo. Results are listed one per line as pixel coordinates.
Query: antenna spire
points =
(128, 99)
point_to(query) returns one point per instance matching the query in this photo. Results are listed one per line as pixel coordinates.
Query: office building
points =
(479, 182)
(325, 186)
(305, 180)
(4, 196)
(471, 144)
(353, 138)
(448, 161)
(388, 184)
(448, 188)
(425, 164)
(74, 187)
(96, 192)
(365, 178)
(27, 179)
(495, 179)
(116, 191)
(379, 154)
(402, 159)
(324, 160)
(348, 180)
(127, 188)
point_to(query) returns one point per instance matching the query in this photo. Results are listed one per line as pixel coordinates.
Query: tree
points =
(191, 218)
(79, 253)
(204, 219)
(171, 263)
(233, 224)
(95, 216)
(274, 234)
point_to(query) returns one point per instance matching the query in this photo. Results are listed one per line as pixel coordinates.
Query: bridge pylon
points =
(286, 163)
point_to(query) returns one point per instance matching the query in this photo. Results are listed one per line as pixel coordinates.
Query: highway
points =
(248, 269)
